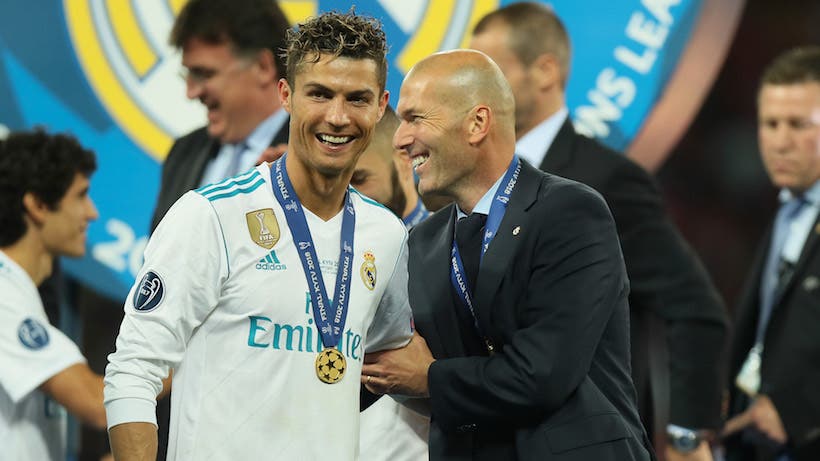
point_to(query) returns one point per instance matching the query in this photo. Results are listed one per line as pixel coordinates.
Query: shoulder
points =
(556, 196)
(371, 210)
(235, 186)
(194, 141)
(424, 232)
(616, 162)
(198, 135)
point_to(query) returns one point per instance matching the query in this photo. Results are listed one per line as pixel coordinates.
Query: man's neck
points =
(469, 197)
(322, 195)
(542, 111)
(30, 254)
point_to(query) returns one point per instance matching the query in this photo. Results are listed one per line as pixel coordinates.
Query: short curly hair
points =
(339, 34)
(42, 164)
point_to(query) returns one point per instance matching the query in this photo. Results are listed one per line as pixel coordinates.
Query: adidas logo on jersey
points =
(270, 263)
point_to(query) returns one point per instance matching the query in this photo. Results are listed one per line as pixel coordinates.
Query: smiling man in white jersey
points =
(44, 181)
(237, 293)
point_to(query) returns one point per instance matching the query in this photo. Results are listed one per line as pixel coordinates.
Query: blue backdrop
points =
(102, 70)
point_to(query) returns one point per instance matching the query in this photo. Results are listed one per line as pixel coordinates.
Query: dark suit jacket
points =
(673, 302)
(185, 165)
(790, 366)
(553, 298)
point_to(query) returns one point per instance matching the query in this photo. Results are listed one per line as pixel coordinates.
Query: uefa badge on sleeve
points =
(368, 270)
(263, 227)
(149, 293)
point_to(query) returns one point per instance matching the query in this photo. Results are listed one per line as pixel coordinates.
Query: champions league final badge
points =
(368, 270)
(263, 227)
(32, 335)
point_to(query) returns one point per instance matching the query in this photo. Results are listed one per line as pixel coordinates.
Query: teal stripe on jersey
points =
(240, 180)
(243, 190)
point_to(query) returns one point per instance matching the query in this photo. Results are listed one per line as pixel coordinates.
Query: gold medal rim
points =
(327, 352)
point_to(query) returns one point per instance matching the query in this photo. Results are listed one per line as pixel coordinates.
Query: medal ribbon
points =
(416, 216)
(497, 210)
(330, 327)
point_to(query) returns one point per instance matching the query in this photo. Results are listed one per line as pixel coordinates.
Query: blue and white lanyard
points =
(330, 327)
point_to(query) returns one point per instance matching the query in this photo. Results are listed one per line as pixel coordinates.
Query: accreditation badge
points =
(263, 227)
(330, 365)
(748, 380)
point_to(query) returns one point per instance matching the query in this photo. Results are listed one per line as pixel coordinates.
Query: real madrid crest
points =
(368, 270)
(263, 227)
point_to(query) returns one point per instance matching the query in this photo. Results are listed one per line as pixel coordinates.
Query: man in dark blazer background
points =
(232, 65)
(775, 358)
(528, 353)
(678, 322)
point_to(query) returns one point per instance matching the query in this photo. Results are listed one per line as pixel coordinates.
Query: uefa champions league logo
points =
(125, 55)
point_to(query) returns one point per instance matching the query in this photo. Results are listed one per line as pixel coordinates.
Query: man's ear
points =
(35, 208)
(545, 72)
(267, 68)
(284, 94)
(478, 123)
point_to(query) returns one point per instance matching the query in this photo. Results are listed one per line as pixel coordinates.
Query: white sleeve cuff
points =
(131, 410)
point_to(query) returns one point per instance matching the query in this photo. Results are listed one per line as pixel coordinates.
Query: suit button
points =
(466, 428)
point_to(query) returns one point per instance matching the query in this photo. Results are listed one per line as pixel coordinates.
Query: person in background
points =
(391, 431)
(231, 64)
(523, 302)
(44, 183)
(263, 292)
(775, 360)
(385, 174)
(678, 321)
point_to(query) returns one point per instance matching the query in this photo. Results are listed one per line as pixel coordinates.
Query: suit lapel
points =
(434, 271)
(808, 249)
(282, 135)
(559, 153)
(505, 243)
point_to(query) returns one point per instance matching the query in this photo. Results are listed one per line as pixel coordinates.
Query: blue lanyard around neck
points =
(330, 327)
(497, 210)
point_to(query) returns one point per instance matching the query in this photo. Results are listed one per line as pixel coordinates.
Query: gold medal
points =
(330, 365)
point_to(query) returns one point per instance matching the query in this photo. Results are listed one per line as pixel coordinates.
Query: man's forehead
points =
(354, 74)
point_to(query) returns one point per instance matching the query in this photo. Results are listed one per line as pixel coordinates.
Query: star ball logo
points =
(122, 48)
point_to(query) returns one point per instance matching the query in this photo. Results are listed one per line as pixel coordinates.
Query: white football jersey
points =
(389, 431)
(223, 300)
(32, 426)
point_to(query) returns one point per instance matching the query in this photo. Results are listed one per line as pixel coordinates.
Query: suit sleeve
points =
(562, 320)
(667, 279)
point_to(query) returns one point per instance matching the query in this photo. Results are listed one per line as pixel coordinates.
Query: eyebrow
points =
(354, 93)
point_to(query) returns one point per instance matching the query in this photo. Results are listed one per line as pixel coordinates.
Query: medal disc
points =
(330, 366)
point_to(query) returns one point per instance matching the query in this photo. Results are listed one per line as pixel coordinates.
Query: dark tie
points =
(469, 238)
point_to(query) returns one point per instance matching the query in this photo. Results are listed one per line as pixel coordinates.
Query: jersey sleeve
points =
(392, 325)
(31, 349)
(178, 286)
